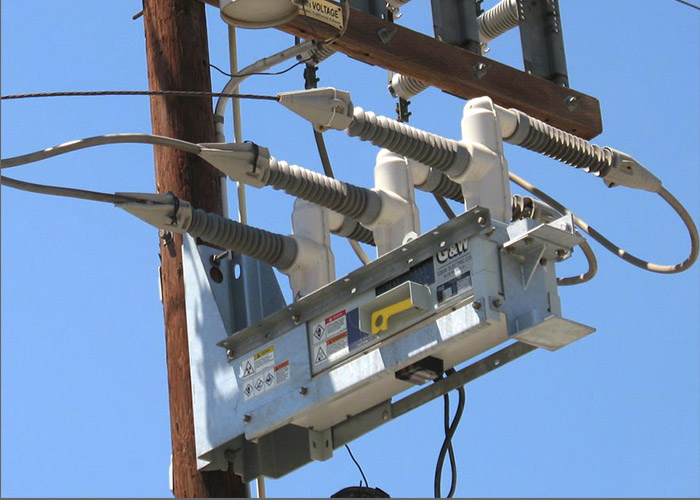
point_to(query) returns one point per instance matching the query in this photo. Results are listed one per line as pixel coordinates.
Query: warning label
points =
(330, 338)
(323, 11)
(266, 380)
(258, 363)
(453, 271)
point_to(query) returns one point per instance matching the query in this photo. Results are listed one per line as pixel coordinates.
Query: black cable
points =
(183, 93)
(358, 466)
(447, 443)
(450, 449)
(268, 73)
(688, 4)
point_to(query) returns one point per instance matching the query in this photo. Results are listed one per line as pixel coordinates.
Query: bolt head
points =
(528, 240)
(247, 418)
(543, 261)
(303, 391)
(510, 250)
(385, 415)
(476, 305)
(230, 353)
(497, 302)
(481, 221)
(296, 318)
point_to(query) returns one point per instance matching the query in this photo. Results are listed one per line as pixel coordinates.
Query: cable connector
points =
(626, 171)
(241, 162)
(164, 211)
(324, 107)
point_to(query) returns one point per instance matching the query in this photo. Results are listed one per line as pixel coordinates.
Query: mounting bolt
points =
(497, 303)
(561, 253)
(528, 240)
(230, 353)
(296, 318)
(476, 305)
(481, 221)
(480, 69)
(571, 102)
(543, 261)
(303, 391)
(510, 250)
(247, 418)
(490, 232)
(385, 415)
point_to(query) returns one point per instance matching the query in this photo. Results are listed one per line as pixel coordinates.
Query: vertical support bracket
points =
(455, 22)
(542, 40)
(376, 8)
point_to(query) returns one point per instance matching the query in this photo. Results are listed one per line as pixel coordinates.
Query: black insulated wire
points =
(447, 443)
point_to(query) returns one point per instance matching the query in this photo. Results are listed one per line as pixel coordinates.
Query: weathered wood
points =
(178, 59)
(454, 70)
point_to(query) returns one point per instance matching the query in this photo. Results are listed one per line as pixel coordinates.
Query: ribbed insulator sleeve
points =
(497, 20)
(352, 201)
(448, 189)
(429, 149)
(322, 52)
(271, 248)
(361, 234)
(406, 87)
(564, 147)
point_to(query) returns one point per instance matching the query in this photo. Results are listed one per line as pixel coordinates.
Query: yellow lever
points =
(380, 318)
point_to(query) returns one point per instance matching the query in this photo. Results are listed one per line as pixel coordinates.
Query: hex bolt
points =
(561, 252)
(296, 318)
(247, 418)
(543, 261)
(476, 305)
(497, 303)
(230, 353)
(481, 221)
(571, 102)
(303, 391)
(385, 415)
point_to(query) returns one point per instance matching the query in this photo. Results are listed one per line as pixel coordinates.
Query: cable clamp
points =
(256, 154)
(176, 208)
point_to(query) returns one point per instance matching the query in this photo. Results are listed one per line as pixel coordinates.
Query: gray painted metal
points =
(455, 22)
(542, 40)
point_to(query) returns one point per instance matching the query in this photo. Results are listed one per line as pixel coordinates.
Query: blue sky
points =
(84, 390)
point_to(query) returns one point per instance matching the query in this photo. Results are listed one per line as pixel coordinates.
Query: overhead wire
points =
(688, 4)
(80, 194)
(358, 466)
(176, 93)
(261, 73)
(100, 140)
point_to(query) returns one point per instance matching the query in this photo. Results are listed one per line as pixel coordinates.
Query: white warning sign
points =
(266, 380)
(323, 11)
(320, 354)
(258, 363)
(329, 338)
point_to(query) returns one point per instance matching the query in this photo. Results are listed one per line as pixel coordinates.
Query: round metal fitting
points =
(476, 305)
(247, 418)
(303, 391)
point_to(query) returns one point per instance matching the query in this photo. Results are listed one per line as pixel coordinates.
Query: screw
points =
(481, 221)
(247, 418)
(543, 261)
(476, 305)
(561, 252)
(510, 250)
(230, 353)
(571, 102)
(497, 303)
(385, 415)
(480, 69)
(296, 318)
(303, 391)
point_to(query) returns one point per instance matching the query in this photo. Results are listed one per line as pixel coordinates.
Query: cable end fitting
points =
(242, 162)
(164, 211)
(626, 171)
(325, 107)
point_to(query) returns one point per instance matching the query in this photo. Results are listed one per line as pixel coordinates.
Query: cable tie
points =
(256, 154)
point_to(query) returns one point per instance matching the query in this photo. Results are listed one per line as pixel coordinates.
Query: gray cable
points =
(80, 194)
(615, 249)
(99, 141)
(174, 93)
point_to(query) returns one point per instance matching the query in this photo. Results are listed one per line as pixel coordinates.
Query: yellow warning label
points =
(324, 11)
(265, 351)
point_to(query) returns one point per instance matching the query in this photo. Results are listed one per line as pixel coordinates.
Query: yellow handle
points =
(380, 318)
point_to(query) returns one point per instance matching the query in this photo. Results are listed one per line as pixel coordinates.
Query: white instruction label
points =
(324, 11)
(266, 380)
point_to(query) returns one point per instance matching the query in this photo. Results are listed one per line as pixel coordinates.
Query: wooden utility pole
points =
(178, 59)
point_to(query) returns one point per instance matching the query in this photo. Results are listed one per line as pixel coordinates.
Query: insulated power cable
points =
(615, 249)
(100, 140)
(176, 93)
(447, 443)
(362, 473)
(80, 194)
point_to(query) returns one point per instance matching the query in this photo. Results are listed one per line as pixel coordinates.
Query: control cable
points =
(447, 443)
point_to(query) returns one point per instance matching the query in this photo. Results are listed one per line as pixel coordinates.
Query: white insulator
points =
(406, 87)
(497, 20)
